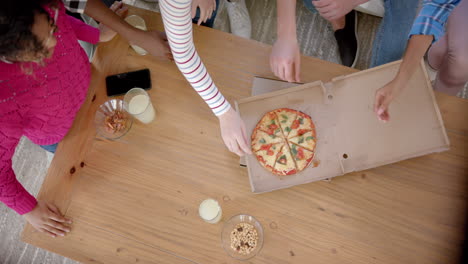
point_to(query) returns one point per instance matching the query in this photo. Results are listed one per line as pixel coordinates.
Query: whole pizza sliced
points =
(284, 141)
(302, 156)
(267, 154)
(285, 164)
(286, 118)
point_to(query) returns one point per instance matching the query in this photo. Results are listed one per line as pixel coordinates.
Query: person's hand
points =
(154, 42)
(46, 218)
(106, 34)
(384, 96)
(207, 7)
(334, 9)
(285, 60)
(233, 132)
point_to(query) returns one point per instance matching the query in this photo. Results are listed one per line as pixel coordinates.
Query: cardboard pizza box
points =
(349, 135)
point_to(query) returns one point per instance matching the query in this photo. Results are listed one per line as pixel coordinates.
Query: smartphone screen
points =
(121, 83)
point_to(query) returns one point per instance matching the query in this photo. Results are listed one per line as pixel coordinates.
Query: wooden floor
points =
(31, 162)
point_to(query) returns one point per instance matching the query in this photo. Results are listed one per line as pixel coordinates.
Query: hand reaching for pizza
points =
(384, 96)
(233, 133)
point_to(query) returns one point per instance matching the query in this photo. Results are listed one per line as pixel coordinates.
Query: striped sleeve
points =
(432, 18)
(177, 20)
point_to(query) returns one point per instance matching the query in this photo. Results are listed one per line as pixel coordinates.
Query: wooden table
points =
(136, 200)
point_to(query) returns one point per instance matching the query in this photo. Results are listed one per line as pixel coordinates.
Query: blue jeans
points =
(51, 148)
(210, 21)
(392, 35)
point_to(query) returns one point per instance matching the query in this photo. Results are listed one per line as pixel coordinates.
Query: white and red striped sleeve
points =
(178, 25)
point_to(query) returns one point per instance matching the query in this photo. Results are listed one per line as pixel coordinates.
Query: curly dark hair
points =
(16, 22)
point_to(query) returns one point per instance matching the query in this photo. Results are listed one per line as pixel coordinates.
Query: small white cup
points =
(210, 211)
(138, 103)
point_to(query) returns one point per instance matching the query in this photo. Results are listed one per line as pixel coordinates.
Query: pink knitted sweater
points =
(42, 105)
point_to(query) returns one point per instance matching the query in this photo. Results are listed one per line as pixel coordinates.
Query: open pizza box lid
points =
(349, 135)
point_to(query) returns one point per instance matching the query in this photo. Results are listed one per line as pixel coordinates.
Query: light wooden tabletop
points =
(136, 200)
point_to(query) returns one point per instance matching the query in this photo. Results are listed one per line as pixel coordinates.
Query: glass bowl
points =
(112, 120)
(230, 225)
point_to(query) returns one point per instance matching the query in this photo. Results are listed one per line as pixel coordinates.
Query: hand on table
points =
(46, 218)
(285, 60)
(384, 96)
(154, 42)
(233, 132)
(207, 7)
(334, 9)
(106, 34)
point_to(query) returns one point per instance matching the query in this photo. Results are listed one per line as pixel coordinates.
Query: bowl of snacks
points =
(112, 120)
(242, 237)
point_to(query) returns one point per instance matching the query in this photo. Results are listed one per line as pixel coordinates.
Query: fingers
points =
(58, 226)
(53, 230)
(297, 69)
(122, 11)
(321, 3)
(243, 141)
(56, 215)
(377, 101)
(194, 10)
(202, 16)
(289, 72)
(236, 149)
(327, 9)
(45, 231)
(116, 5)
(381, 106)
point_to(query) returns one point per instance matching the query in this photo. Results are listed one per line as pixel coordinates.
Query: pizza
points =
(284, 141)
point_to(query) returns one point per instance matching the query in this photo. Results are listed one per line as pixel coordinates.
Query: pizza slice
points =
(302, 156)
(267, 154)
(305, 140)
(286, 118)
(285, 164)
(261, 138)
(269, 124)
(301, 125)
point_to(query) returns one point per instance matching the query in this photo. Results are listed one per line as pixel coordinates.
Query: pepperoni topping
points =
(300, 154)
(301, 132)
(295, 124)
(266, 147)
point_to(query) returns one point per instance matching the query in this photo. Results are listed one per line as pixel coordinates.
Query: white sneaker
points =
(239, 18)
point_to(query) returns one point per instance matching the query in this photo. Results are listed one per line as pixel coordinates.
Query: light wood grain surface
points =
(135, 200)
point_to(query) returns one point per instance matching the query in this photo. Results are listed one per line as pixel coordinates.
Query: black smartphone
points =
(121, 83)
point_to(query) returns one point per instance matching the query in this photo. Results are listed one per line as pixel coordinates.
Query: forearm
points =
(417, 47)
(100, 12)
(286, 26)
(178, 24)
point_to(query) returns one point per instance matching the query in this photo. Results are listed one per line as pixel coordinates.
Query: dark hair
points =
(16, 22)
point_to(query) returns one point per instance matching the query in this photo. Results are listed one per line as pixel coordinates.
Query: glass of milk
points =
(139, 23)
(138, 103)
(210, 211)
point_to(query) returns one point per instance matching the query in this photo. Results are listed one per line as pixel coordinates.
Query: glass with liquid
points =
(210, 211)
(139, 23)
(138, 103)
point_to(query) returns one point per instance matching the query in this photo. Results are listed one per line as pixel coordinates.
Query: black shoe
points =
(347, 41)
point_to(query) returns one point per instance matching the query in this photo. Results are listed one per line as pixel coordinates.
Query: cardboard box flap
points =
(415, 126)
